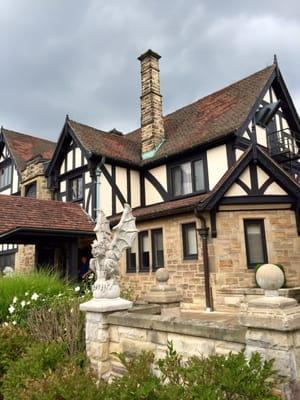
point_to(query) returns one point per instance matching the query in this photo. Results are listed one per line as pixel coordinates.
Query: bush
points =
(39, 359)
(15, 286)
(70, 381)
(13, 344)
(59, 321)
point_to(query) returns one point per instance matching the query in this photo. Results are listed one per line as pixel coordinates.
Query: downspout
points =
(98, 173)
(203, 233)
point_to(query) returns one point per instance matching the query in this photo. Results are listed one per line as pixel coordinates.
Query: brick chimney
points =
(152, 125)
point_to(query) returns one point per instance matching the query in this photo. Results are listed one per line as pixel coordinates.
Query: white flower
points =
(26, 293)
(14, 323)
(5, 324)
(23, 303)
(15, 299)
(77, 289)
(11, 309)
(35, 296)
(28, 302)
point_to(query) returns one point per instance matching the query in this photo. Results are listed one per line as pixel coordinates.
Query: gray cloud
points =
(79, 57)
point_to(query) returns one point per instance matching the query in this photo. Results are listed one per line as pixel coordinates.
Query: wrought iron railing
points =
(284, 145)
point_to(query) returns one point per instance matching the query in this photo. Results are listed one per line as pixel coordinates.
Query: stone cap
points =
(149, 53)
(222, 330)
(272, 313)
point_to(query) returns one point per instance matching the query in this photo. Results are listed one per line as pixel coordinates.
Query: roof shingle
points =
(24, 147)
(25, 212)
(208, 119)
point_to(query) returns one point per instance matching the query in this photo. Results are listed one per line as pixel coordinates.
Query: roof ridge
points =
(271, 67)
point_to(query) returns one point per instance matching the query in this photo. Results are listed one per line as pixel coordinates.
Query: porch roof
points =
(27, 220)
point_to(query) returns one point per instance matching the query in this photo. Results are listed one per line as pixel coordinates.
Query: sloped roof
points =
(109, 144)
(23, 212)
(24, 147)
(206, 120)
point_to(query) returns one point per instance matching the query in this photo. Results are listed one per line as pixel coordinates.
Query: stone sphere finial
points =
(270, 278)
(162, 275)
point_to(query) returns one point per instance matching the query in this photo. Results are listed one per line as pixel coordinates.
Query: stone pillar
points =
(273, 324)
(97, 331)
(163, 294)
(152, 125)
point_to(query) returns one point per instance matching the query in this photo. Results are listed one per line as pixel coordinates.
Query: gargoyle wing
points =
(124, 233)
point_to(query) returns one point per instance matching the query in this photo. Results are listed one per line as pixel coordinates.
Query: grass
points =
(42, 282)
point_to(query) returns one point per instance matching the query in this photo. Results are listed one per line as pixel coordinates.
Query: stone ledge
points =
(286, 292)
(211, 330)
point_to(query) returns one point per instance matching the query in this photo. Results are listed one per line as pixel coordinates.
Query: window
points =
(131, 256)
(5, 176)
(146, 251)
(187, 178)
(30, 190)
(7, 259)
(144, 247)
(76, 189)
(255, 242)
(157, 249)
(189, 239)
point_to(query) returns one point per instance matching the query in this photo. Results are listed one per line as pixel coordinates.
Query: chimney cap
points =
(149, 53)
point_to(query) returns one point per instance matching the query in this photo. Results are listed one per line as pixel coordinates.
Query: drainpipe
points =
(98, 173)
(203, 233)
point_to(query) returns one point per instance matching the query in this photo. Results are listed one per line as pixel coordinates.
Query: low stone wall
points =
(130, 333)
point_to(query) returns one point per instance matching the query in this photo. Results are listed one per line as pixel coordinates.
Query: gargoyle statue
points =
(107, 250)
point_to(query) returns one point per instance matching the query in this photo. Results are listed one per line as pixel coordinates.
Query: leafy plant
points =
(39, 359)
(14, 342)
(42, 282)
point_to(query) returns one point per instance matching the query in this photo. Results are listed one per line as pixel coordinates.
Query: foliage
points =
(39, 359)
(15, 286)
(217, 377)
(128, 290)
(13, 344)
(278, 265)
(46, 371)
(61, 321)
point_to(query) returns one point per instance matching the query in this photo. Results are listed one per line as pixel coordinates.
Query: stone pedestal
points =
(274, 331)
(97, 332)
(166, 296)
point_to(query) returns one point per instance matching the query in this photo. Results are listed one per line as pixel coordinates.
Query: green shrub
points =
(15, 286)
(70, 381)
(39, 359)
(13, 344)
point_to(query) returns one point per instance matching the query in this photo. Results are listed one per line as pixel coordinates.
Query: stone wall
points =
(186, 275)
(25, 258)
(34, 172)
(227, 256)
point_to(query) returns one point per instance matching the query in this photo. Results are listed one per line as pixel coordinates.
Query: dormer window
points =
(30, 190)
(187, 177)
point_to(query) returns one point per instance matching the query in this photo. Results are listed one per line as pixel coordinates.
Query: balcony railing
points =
(283, 145)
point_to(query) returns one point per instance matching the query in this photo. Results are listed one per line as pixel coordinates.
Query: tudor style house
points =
(214, 186)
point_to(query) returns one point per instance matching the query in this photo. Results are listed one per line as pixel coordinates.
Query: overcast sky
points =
(79, 57)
